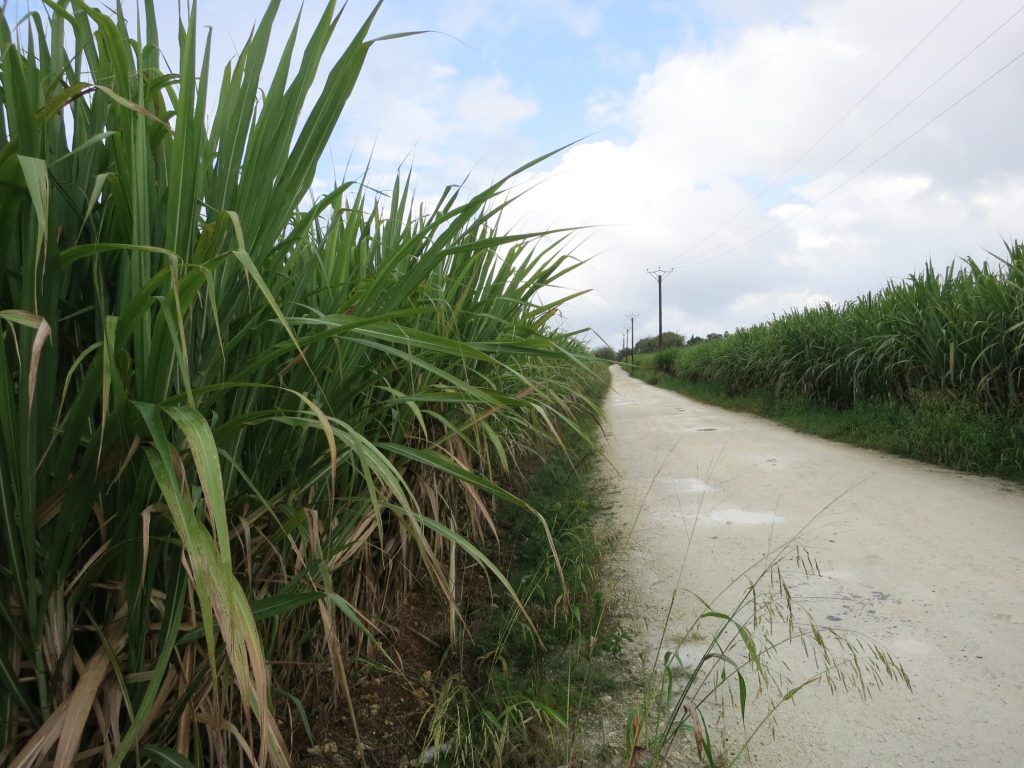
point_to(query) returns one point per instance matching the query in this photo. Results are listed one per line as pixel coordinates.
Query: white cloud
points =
(487, 105)
(766, 304)
(606, 107)
(709, 127)
(440, 71)
(1001, 204)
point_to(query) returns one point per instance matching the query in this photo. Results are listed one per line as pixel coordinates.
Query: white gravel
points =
(925, 561)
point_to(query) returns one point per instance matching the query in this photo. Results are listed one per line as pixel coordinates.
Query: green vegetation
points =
(530, 679)
(234, 426)
(931, 367)
(669, 339)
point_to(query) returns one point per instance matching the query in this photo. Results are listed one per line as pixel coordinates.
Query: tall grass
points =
(957, 335)
(233, 427)
(522, 682)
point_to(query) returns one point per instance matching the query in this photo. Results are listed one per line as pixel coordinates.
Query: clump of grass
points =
(234, 427)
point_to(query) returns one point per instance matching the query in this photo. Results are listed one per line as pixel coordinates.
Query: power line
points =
(870, 165)
(822, 137)
(640, 285)
(699, 258)
(643, 296)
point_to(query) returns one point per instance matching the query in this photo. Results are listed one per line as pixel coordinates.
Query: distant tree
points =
(693, 340)
(604, 353)
(669, 339)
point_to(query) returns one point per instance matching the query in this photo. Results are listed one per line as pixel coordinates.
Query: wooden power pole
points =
(632, 338)
(659, 275)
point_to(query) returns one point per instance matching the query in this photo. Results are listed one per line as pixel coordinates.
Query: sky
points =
(771, 154)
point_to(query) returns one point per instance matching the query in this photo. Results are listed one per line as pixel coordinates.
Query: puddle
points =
(694, 485)
(744, 517)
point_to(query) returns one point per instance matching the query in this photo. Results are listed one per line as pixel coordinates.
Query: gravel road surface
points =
(926, 562)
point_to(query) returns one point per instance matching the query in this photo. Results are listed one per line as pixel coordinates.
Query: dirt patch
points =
(394, 699)
(390, 703)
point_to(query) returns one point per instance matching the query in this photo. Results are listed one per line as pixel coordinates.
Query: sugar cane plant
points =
(957, 334)
(234, 424)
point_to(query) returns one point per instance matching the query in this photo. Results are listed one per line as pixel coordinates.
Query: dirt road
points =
(925, 561)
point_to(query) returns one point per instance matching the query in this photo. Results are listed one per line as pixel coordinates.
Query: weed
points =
(729, 661)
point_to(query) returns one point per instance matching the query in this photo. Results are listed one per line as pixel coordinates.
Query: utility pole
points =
(632, 337)
(659, 275)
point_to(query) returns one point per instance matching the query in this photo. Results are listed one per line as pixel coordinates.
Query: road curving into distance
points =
(927, 562)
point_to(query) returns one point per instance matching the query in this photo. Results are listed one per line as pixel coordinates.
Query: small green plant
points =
(732, 659)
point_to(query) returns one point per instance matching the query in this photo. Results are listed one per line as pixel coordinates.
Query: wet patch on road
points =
(694, 485)
(743, 517)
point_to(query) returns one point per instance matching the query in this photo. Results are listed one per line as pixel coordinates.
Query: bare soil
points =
(390, 703)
